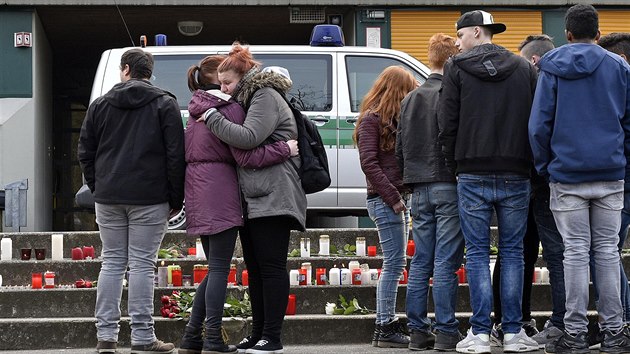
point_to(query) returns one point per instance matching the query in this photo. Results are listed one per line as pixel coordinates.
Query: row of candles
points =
(56, 250)
(361, 248)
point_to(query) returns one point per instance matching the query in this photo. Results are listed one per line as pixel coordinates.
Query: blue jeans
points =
(553, 250)
(588, 216)
(392, 233)
(508, 195)
(623, 232)
(439, 252)
(131, 236)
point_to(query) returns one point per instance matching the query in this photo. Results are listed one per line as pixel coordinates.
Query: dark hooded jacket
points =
(580, 121)
(275, 190)
(213, 200)
(485, 102)
(131, 146)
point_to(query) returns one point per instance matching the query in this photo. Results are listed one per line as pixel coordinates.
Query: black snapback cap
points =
(479, 18)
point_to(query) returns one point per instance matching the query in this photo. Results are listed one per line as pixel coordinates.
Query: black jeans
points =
(265, 244)
(210, 294)
(530, 256)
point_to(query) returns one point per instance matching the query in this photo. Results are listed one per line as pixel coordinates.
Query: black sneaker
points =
(246, 343)
(376, 335)
(393, 335)
(615, 343)
(264, 346)
(496, 335)
(569, 344)
(157, 347)
(530, 328)
(106, 347)
(594, 335)
(421, 339)
(447, 342)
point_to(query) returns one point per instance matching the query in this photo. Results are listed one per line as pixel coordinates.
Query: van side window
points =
(311, 75)
(362, 71)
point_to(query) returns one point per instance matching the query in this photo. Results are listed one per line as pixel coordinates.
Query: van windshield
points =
(311, 76)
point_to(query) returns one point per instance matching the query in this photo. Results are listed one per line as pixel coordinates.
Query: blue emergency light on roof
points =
(327, 36)
(160, 39)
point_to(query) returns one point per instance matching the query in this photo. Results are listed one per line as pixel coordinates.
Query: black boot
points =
(192, 343)
(213, 342)
(393, 335)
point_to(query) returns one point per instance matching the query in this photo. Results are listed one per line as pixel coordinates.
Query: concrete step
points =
(80, 332)
(17, 302)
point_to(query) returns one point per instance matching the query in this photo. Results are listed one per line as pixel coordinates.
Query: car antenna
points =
(125, 23)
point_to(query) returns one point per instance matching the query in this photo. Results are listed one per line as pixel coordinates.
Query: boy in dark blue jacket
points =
(579, 131)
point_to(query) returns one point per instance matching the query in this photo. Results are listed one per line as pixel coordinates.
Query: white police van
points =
(329, 82)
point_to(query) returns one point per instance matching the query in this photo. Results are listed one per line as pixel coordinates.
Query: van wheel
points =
(178, 222)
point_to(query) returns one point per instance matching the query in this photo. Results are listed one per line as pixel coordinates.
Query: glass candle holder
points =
(324, 245)
(371, 251)
(25, 254)
(360, 245)
(40, 254)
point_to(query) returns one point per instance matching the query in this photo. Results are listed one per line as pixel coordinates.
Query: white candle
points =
(294, 277)
(6, 247)
(324, 245)
(56, 250)
(346, 276)
(360, 246)
(305, 247)
(544, 275)
(352, 265)
(0, 280)
(199, 247)
(334, 276)
(373, 276)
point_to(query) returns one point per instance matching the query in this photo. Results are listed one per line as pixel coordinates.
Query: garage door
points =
(411, 30)
(520, 24)
(614, 21)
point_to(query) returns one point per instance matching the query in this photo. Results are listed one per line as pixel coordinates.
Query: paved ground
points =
(293, 349)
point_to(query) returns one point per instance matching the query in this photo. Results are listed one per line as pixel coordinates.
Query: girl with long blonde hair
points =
(375, 136)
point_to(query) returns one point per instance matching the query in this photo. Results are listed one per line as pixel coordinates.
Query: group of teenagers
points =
(450, 153)
(542, 141)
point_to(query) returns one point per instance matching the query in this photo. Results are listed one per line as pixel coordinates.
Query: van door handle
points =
(352, 120)
(320, 120)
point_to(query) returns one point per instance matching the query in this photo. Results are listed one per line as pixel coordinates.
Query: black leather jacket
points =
(418, 150)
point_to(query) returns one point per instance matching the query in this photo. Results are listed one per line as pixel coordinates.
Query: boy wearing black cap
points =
(485, 103)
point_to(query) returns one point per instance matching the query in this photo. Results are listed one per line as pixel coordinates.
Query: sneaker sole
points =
(444, 348)
(573, 351)
(188, 351)
(215, 352)
(392, 345)
(519, 348)
(418, 348)
(152, 351)
(476, 350)
(256, 351)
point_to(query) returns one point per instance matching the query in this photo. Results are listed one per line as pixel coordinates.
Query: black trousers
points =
(210, 294)
(530, 256)
(265, 245)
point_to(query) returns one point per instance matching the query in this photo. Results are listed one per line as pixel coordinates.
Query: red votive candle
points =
(88, 252)
(411, 248)
(371, 251)
(77, 254)
(320, 276)
(36, 280)
(245, 278)
(176, 276)
(192, 251)
(302, 276)
(291, 305)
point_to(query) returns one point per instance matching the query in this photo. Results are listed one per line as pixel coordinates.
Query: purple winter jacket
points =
(213, 199)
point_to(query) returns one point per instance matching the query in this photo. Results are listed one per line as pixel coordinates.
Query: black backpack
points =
(314, 172)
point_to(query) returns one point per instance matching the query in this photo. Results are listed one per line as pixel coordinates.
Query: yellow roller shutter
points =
(614, 21)
(520, 24)
(411, 30)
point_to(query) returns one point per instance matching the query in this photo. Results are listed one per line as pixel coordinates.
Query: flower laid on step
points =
(82, 283)
(343, 307)
(178, 305)
(234, 307)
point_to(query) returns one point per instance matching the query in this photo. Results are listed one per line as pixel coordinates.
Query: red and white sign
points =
(22, 39)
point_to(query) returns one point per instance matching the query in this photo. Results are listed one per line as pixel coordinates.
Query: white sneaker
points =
(474, 343)
(518, 342)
